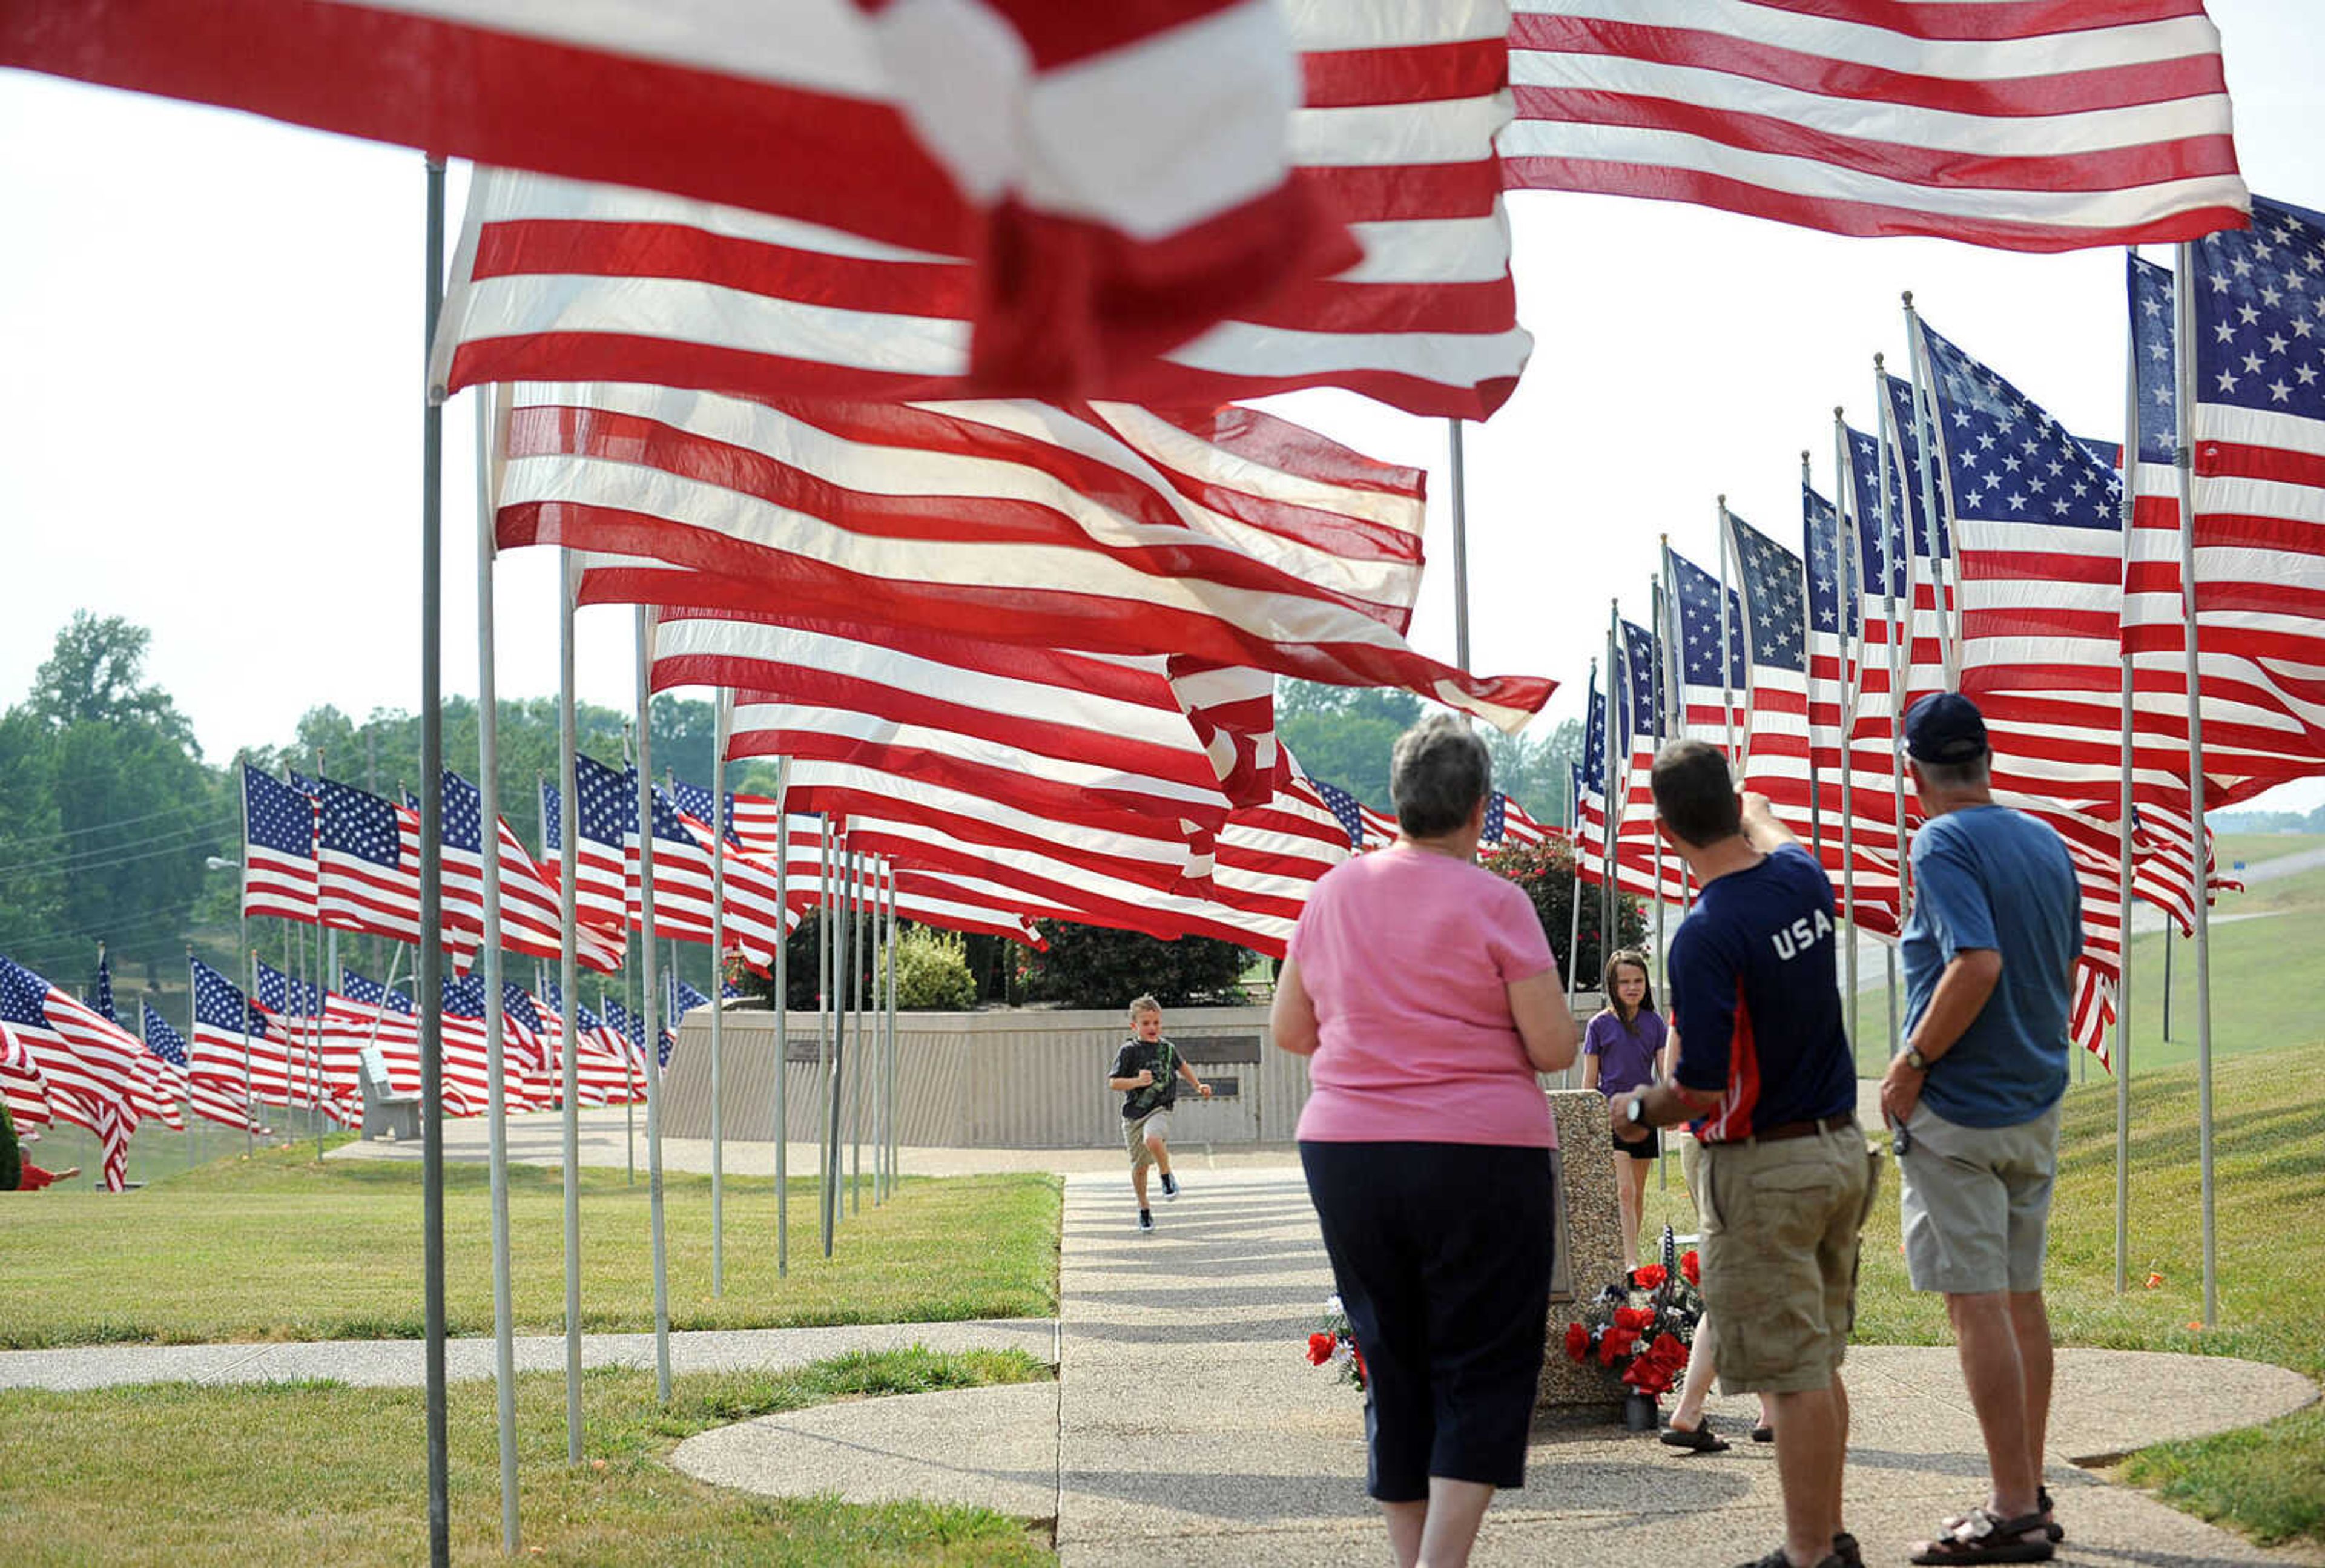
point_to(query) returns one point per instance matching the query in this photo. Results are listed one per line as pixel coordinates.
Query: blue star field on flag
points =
(1769, 577)
(516, 1004)
(1344, 806)
(464, 815)
(163, 1038)
(280, 817)
(370, 993)
(1695, 596)
(2261, 311)
(1874, 554)
(100, 997)
(1642, 667)
(1906, 464)
(1832, 595)
(218, 1000)
(284, 994)
(356, 822)
(2006, 459)
(694, 800)
(607, 810)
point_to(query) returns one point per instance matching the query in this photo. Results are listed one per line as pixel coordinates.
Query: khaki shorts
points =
(1780, 1225)
(1136, 1131)
(1977, 1204)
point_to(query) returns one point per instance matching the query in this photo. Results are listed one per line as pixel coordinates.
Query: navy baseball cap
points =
(1945, 727)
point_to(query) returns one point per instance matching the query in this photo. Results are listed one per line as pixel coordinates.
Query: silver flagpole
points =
(865, 872)
(782, 1020)
(894, 1141)
(2123, 831)
(1807, 680)
(1937, 498)
(2183, 322)
(1851, 672)
(488, 838)
(1574, 855)
(1617, 674)
(1657, 609)
(1727, 694)
(823, 1027)
(835, 1172)
(242, 957)
(722, 722)
(648, 1029)
(1460, 546)
(430, 962)
(569, 979)
(1895, 541)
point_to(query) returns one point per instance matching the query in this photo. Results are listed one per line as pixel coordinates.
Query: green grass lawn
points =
(320, 1473)
(2269, 975)
(2254, 848)
(283, 1246)
(2269, 1151)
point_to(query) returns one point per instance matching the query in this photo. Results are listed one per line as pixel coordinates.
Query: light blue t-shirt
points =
(1987, 876)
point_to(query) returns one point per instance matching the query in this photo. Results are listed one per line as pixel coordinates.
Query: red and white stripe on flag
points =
(560, 280)
(2033, 128)
(1233, 539)
(86, 1065)
(1121, 177)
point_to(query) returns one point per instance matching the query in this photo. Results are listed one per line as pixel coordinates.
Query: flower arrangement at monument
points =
(1645, 1341)
(1333, 1345)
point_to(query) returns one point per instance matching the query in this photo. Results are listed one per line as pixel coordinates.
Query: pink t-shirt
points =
(1408, 956)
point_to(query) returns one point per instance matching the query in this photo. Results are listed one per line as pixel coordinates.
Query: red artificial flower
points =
(1649, 1276)
(1577, 1341)
(1633, 1318)
(2154, 1280)
(1321, 1348)
(1668, 1351)
(1615, 1344)
(1691, 1267)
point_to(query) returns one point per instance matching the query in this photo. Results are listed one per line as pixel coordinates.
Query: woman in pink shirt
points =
(1422, 991)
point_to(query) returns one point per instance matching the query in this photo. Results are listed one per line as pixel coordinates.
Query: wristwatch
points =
(1915, 1060)
(1635, 1109)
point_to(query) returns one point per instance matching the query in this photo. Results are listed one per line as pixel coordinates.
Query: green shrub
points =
(12, 1168)
(1091, 966)
(932, 972)
(1545, 872)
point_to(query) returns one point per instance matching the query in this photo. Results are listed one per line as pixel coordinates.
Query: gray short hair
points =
(1438, 774)
(1970, 773)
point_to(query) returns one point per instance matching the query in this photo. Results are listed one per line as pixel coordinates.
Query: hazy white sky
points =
(209, 417)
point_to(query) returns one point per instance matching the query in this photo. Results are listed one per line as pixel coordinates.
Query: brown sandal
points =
(1980, 1536)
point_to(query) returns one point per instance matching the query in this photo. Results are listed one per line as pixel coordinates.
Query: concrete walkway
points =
(1186, 1427)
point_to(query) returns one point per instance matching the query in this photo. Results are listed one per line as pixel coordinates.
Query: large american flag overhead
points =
(1230, 537)
(2026, 126)
(2259, 424)
(1123, 175)
(278, 848)
(560, 280)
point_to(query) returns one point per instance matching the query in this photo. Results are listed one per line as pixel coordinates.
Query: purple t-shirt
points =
(1626, 1060)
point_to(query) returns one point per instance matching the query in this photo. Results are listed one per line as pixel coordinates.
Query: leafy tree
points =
(1091, 966)
(94, 676)
(1545, 871)
(1342, 734)
(32, 885)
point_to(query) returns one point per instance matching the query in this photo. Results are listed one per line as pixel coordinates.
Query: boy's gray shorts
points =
(1976, 1202)
(1135, 1133)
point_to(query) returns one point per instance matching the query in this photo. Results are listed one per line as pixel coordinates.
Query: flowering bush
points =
(1334, 1345)
(1647, 1344)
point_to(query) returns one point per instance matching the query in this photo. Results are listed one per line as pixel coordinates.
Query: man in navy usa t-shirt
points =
(1784, 1182)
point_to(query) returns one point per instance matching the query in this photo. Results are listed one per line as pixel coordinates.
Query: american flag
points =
(2259, 428)
(1508, 824)
(1230, 538)
(755, 921)
(532, 922)
(100, 995)
(368, 860)
(1590, 792)
(1123, 182)
(87, 1063)
(278, 848)
(1395, 139)
(1268, 860)
(1643, 864)
(235, 1045)
(628, 1036)
(600, 1068)
(532, 1047)
(22, 1085)
(2037, 520)
(1855, 803)
(210, 1098)
(1078, 737)
(1932, 657)
(1709, 703)
(1368, 829)
(165, 1063)
(607, 812)
(366, 1013)
(467, 1060)
(321, 1069)
(2025, 127)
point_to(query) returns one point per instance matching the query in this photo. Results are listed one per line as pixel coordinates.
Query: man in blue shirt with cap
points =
(1989, 948)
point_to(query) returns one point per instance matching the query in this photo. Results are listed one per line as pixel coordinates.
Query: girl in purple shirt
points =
(1623, 1052)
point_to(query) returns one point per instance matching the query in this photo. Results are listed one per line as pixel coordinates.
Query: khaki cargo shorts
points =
(1134, 1134)
(1977, 1204)
(1780, 1225)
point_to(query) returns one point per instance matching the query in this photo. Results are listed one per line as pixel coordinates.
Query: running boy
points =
(1147, 1071)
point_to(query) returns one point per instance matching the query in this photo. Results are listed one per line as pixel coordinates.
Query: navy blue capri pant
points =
(1443, 1254)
